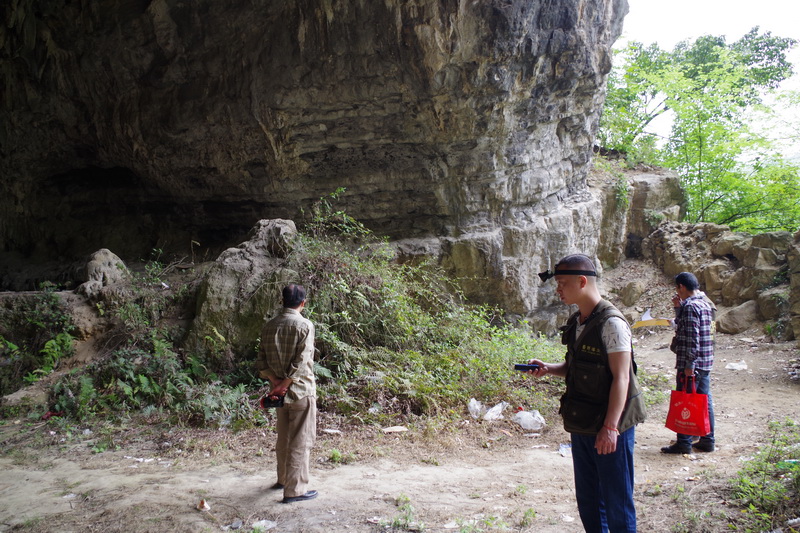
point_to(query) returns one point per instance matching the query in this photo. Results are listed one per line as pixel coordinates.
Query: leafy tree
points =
(651, 81)
(633, 98)
(731, 174)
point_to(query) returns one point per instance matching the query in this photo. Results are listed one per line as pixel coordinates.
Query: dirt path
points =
(479, 477)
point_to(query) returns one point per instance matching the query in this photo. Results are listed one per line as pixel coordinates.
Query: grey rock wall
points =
(241, 288)
(793, 259)
(459, 127)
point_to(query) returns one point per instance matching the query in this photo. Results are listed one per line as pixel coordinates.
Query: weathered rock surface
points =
(241, 288)
(462, 128)
(773, 303)
(793, 259)
(104, 268)
(735, 270)
(738, 319)
(631, 293)
(656, 196)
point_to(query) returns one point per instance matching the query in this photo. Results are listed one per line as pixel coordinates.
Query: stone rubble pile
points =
(756, 276)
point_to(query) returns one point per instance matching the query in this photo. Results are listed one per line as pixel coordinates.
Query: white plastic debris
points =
(741, 365)
(565, 450)
(395, 429)
(203, 506)
(496, 412)
(530, 420)
(264, 525)
(476, 408)
(236, 524)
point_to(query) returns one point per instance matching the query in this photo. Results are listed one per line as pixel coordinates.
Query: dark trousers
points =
(604, 485)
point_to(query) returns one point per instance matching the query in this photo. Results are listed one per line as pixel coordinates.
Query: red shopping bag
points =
(688, 411)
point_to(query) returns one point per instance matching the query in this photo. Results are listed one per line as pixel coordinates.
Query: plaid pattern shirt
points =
(287, 351)
(694, 344)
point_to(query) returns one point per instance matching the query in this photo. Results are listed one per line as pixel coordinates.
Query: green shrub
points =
(768, 486)
(75, 396)
(35, 335)
(398, 337)
(134, 379)
(58, 348)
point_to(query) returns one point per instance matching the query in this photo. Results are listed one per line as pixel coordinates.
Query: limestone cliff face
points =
(460, 128)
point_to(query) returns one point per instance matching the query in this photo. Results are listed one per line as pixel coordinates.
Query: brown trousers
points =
(297, 432)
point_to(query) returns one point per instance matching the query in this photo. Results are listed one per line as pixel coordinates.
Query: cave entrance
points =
(70, 215)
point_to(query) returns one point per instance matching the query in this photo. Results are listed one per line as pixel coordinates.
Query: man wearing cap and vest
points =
(603, 401)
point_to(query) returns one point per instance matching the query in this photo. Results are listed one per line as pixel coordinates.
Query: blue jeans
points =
(703, 385)
(604, 485)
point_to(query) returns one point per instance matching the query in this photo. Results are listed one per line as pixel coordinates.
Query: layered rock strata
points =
(459, 128)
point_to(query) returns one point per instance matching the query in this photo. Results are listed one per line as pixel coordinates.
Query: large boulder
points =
(714, 277)
(732, 244)
(631, 292)
(773, 303)
(775, 240)
(241, 289)
(738, 319)
(730, 267)
(681, 247)
(760, 258)
(745, 283)
(656, 196)
(104, 268)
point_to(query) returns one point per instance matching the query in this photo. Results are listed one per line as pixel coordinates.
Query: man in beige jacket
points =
(286, 358)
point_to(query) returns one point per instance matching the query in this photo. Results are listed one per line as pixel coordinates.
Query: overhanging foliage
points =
(731, 174)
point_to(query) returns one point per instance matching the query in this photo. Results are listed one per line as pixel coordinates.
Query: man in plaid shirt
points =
(694, 349)
(286, 358)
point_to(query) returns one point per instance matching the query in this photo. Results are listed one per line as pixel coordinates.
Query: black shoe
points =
(310, 495)
(276, 486)
(703, 446)
(676, 449)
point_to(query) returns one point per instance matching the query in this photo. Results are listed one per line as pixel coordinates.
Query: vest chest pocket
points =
(590, 381)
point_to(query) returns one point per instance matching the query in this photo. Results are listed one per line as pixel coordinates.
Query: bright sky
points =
(669, 22)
